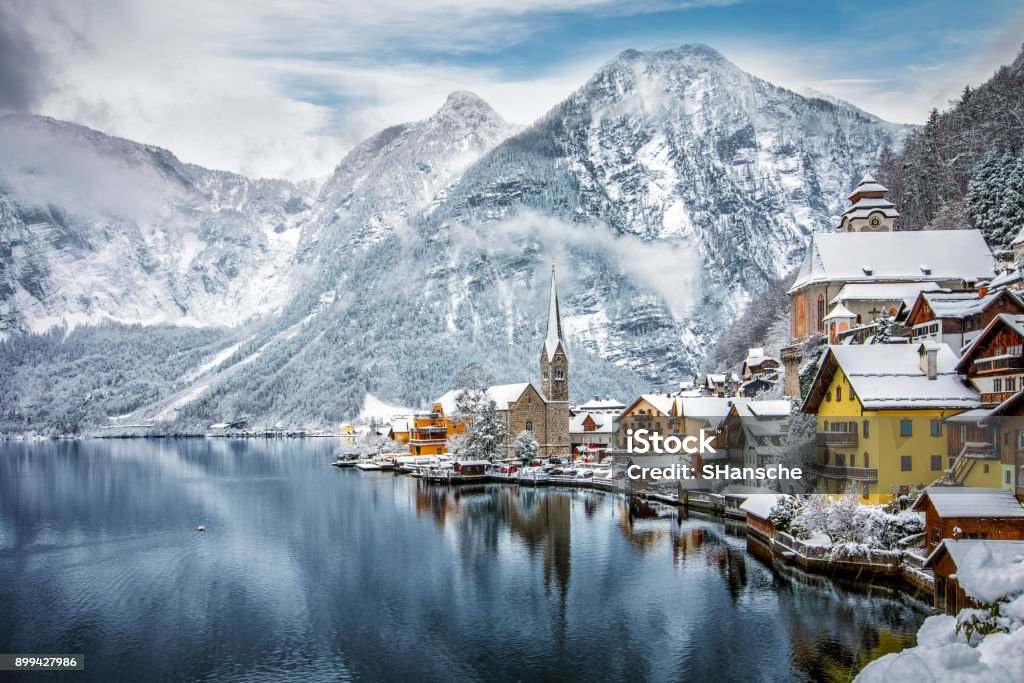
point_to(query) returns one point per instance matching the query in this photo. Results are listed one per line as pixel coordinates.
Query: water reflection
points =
(312, 573)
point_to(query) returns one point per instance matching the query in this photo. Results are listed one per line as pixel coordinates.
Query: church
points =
(522, 406)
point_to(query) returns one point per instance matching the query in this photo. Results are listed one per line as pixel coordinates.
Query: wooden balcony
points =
(995, 397)
(851, 473)
(837, 439)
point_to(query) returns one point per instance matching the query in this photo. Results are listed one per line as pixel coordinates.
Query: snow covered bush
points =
(525, 446)
(854, 529)
(783, 513)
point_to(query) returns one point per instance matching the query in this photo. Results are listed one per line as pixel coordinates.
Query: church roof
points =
(882, 257)
(554, 332)
(501, 394)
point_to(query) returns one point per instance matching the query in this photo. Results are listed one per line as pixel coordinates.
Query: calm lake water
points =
(308, 573)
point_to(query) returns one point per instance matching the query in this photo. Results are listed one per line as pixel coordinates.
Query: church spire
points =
(554, 334)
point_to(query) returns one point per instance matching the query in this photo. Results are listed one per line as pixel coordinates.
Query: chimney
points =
(929, 355)
(597, 397)
(982, 291)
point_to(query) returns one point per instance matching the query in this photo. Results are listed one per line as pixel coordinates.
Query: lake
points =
(306, 572)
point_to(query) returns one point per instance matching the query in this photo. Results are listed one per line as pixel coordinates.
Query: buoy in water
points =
(200, 528)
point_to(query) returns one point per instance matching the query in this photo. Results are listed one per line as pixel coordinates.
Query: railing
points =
(842, 472)
(1002, 362)
(996, 397)
(964, 463)
(840, 439)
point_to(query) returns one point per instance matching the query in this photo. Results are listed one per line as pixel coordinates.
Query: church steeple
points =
(554, 364)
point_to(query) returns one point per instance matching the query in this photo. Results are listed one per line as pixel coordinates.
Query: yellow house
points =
(430, 431)
(881, 412)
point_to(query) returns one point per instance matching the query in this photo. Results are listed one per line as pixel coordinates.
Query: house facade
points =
(880, 411)
(966, 512)
(958, 317)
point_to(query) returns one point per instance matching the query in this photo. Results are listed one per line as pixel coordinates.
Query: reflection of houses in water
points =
(644, 525)
(547, 527)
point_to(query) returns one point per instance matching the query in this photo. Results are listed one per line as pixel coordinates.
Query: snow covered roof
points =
(882, 291)
(663, 403)
(969, 501)
(400, 425)
(1007, 276)
(597, 404)
(605, 423)
(775, 408)
(712, 408)
(961, 304)
(840, 311)
(760, 504)
(716, 378)
(501, 394)
(986, 570)
(883, 256)
(890, 376)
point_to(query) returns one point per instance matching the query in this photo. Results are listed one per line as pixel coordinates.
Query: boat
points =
(345, 461)
(368, 465)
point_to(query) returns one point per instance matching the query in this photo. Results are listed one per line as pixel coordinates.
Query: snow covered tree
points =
(995, 197)
(783, 513)
(525, 446)
(486, 434)
(884, 326)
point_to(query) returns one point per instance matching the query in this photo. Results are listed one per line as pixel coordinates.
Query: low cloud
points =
(670, 269)
(23, 70)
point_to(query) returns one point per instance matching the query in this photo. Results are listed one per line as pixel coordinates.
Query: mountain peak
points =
(462, 103)
(687, 51)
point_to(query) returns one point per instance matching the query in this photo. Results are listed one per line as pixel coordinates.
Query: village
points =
(900, 394)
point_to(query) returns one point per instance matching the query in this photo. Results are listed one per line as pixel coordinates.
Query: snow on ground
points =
(373, 407)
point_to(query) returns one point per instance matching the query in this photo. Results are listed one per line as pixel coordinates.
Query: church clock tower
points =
(554, 363)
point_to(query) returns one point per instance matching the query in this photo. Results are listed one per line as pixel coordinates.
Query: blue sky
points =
(280, 88)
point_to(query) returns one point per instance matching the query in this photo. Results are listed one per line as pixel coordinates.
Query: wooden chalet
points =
(974, 572)
(958, 317)
(969, 512)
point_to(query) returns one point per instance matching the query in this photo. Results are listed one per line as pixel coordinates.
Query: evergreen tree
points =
(486, 434)
(884, 328)
(995, 198)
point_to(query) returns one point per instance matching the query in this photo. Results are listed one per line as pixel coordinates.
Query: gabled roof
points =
(840, 311)
(604, 421)
(760, 504)
(986, 570)
(918, 256)
(961, 305)
(970, 501)
(887, 376)
(1014, 322)
(501, 394)
(661, 402)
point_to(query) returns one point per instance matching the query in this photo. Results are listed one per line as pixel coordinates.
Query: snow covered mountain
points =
(99, 228)
(671, 188)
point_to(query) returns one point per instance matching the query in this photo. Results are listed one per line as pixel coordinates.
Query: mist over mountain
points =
(671, 189)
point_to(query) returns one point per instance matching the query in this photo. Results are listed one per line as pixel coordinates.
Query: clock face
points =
(875, 222)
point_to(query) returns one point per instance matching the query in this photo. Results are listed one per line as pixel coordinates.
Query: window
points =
(825, 458)
(865, 429)
(985, 469)
(840, 460)
(936, 535)
(853, 427)
(864, 491)
(559, 375)
(529, 425)
(906, 463)
(936, 427)
(821, 312)
(824, 426)
(1006, 477)
(867, 460)
(997, 385)
(839, 393)
(1011, 384)
(936, 463)
(906, 428)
